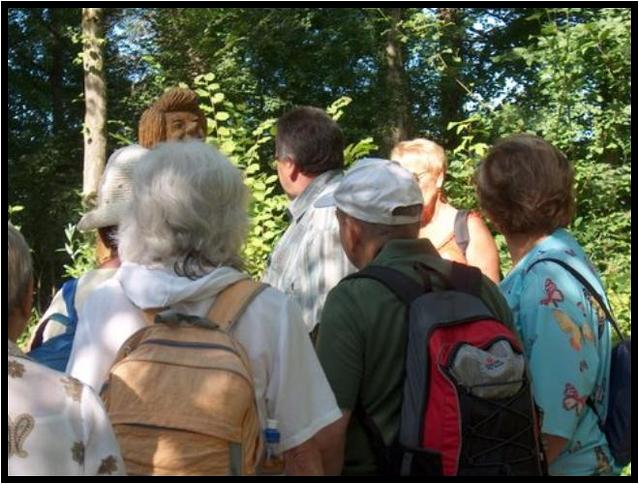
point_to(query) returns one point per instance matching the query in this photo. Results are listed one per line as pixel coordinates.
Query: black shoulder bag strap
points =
(460, 229)
(407, 290)
(584, 282)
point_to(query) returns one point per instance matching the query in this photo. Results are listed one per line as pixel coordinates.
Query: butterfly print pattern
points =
(603, 464)
(577, 333)
(553, 294)
(572, 399)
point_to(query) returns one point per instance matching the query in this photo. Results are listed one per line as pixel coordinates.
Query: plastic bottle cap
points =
(271, 423)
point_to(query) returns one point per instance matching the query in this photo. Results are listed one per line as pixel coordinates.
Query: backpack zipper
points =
(188, 344)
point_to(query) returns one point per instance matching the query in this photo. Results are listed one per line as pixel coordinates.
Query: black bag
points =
(616, 423)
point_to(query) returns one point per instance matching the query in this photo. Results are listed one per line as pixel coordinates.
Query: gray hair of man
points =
(20, 268)
(188, 212)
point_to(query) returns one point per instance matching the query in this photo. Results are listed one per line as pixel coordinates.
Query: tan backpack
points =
(180, 394)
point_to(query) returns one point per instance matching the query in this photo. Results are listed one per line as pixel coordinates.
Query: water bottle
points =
(273, 461)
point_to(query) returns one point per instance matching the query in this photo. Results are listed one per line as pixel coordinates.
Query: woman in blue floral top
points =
(525, 187)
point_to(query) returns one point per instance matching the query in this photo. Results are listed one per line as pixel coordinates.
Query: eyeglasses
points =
(419, 176)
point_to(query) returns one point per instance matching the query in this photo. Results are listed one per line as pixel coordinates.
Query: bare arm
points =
(304, 460)
(482, 250)
(332, 442)
(553, 446)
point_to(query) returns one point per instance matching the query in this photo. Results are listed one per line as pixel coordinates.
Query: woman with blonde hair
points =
(458, 235)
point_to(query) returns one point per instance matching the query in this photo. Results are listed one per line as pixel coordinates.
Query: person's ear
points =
(293, 169)
(440, 180)
(353, 233)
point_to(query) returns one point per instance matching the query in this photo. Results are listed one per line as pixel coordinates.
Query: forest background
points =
(463, 77)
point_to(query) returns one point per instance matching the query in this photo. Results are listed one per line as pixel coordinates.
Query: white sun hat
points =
(116, 189)
(372, 189)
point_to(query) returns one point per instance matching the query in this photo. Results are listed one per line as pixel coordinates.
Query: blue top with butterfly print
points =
(567, 344)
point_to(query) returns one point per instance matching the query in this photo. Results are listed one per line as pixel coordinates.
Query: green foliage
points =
(14, 209)
(80, 247)
(250, 145)
(584, 110)
(25, 337)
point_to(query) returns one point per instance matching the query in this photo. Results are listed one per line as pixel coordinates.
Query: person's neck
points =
(440, 209)
(112, 262)
(520, 244)
(370, 251)
(301, 184)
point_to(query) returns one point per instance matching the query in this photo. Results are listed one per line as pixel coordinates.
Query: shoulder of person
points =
(272, 309)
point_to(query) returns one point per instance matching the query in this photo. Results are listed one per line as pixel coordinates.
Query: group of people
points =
(171, 221)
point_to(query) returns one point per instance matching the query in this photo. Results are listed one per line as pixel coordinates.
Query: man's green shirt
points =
(362, 344)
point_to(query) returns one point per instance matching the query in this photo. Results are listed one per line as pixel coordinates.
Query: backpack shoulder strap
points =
(405, 288)
(460, 277)
(68, 295)
(231, 303)
(69, 289)
(460, 229)
(584, 282)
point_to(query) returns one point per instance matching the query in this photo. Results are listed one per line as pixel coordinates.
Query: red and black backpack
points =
(467, 407)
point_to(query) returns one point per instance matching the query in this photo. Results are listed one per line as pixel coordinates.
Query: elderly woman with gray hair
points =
(57, 426)
(180, 247)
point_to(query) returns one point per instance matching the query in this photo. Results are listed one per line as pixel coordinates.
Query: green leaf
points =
(227, 147)
(222, 116)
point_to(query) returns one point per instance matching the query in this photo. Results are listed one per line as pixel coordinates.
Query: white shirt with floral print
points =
(57, 425)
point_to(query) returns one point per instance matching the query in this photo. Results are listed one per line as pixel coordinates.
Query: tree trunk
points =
(95, 102)
(399, 118)
(55, 74)
(451, 94)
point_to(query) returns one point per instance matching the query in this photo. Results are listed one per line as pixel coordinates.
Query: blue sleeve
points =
(562, 354)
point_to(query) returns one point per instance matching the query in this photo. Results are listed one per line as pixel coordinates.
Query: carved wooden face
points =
(181, 125)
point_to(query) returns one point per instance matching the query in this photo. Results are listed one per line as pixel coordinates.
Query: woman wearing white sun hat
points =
(114, 194)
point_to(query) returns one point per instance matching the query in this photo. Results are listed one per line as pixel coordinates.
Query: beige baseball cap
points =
(116, 189)
(372, 189)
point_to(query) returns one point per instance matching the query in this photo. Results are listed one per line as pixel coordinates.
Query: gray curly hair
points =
(189, 210)
(20, 267)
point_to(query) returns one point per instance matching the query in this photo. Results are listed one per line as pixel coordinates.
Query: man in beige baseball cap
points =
(114, 194)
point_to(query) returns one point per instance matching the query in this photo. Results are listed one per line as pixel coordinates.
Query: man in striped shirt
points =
(308, 261)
